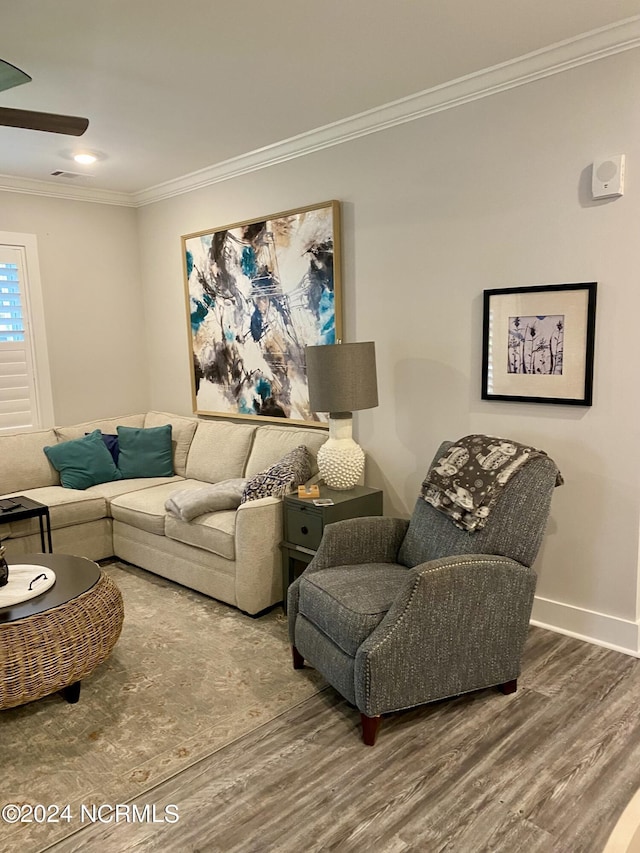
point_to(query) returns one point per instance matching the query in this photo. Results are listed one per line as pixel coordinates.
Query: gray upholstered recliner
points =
(396, 613)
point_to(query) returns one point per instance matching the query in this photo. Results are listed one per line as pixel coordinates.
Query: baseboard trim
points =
(601, 629)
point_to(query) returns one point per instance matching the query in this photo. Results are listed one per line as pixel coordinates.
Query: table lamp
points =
(342, 379)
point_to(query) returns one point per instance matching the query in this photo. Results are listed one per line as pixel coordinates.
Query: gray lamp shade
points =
(342, 377)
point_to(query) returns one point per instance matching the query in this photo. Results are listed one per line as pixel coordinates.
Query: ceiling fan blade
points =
(11, 76)
(49, 122)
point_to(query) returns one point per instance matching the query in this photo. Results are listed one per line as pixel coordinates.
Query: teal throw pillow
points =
(145, 452)
(83, 462)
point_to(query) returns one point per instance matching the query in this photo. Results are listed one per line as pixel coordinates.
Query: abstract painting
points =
(258, 292)
(538, 344)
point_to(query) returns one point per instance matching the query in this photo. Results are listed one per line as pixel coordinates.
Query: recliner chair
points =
(397, 613)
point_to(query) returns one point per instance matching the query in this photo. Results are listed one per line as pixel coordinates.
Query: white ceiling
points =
(175, 86)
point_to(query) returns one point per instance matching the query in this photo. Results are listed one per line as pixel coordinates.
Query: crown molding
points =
(31, 186)
(555, 59)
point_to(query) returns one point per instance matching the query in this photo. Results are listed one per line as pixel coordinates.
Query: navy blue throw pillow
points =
(111, 442)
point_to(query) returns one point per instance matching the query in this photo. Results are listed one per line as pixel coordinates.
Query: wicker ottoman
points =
(55, 648)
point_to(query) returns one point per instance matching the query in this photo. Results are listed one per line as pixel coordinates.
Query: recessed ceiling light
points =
(85, 158)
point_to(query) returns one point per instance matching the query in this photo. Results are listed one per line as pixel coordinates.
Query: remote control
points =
(7, 504)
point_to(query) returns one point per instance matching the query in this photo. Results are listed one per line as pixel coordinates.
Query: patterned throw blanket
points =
(468, 480)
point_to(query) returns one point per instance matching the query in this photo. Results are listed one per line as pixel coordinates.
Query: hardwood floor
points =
(549, 768)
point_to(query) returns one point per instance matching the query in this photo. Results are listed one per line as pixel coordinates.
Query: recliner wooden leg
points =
(370, 726)
(298, 660)
(509, 686)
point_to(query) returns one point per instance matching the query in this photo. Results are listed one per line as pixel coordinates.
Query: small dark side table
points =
(29, 509)
(304, 524)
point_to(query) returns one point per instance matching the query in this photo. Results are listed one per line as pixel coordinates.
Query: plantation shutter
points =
(18, 391)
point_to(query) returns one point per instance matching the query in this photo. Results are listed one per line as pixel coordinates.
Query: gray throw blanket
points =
(190, 503)
(466, 482)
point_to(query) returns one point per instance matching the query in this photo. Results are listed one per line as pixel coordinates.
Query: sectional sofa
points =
(231, 555)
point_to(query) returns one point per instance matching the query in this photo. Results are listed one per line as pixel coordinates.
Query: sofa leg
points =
(298, 660)
(509, 686)
(370, 726)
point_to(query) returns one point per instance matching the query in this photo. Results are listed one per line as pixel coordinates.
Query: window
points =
(25, 387)
(9, 272)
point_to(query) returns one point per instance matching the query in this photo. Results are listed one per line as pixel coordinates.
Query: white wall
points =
(92, 298)
(491, 194)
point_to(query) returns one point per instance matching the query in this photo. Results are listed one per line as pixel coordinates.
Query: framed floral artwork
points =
(538, 344)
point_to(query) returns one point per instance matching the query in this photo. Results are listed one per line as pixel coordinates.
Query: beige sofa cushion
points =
(115, 488)
(219, 451)
(182, 430)
(23, 464)
(144, 509)
(107, 425)
(273, 442)
(66, 508)
(214, 532)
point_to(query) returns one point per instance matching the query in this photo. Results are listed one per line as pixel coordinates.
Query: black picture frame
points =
(538, 344)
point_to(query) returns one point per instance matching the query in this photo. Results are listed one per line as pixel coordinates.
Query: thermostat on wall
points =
(608, 177)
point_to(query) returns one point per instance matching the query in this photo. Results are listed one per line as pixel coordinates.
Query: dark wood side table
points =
(304, 524)
(29, 509)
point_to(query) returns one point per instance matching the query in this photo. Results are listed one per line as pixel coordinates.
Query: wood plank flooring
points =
(548, 769)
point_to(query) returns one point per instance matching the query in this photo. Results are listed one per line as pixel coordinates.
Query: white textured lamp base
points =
(340, 459)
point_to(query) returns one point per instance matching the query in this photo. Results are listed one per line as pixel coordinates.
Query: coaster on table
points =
(309, 491)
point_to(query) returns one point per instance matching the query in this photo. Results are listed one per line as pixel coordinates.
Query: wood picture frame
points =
(257, 293)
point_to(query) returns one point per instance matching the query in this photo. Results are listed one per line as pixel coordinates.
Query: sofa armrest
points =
(259, 502)
(258, 557)
(458, 624)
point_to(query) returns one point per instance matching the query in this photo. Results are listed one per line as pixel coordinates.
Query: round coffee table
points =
(51, 642)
